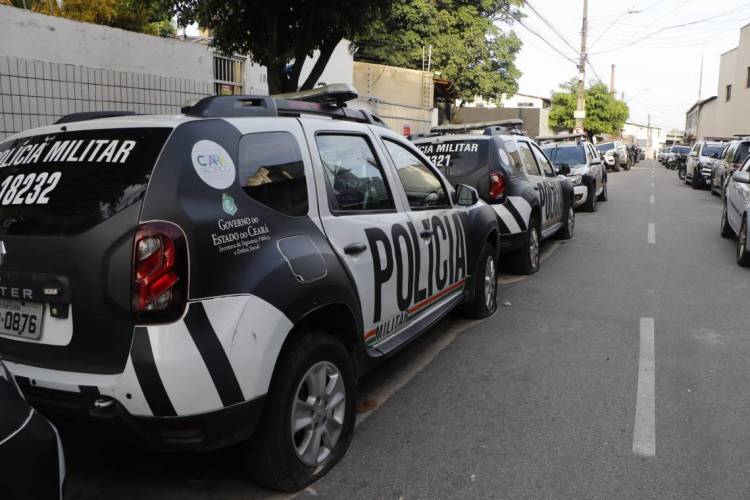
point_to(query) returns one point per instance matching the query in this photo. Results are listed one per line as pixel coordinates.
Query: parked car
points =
(195, 281)
(615, 155)
(573, 156)
(734, 217)
(732, 158)
(32, 463)
(677, 156)
(513, 175)
(662, 155)
(700, 162)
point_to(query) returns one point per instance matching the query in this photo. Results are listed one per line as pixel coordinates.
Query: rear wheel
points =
(308, 419)
(726, 229)
(743, 257)
(526, 260)
(484, 302)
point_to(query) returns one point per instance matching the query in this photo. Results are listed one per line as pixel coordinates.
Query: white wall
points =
(339, 68)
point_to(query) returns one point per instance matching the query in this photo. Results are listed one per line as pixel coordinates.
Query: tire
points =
(484, 303)
(271, 457)
(527, 259)
(726, 229)
(694, 182)
(590, 205)
(682, 174)
(568, 230)
(604, 195)
(743, 256)
(616, 168)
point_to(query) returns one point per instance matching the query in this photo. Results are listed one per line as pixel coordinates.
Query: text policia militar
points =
(70, 151)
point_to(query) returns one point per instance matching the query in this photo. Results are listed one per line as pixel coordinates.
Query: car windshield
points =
(607, 146)
(713, 151)
(683, 150)
(566, 155)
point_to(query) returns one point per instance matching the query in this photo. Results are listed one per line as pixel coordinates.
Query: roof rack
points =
(91, 115)
(560, 138)
(511, 127)
(324, 101)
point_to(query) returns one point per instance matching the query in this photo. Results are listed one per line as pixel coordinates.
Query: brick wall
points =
(35, 93)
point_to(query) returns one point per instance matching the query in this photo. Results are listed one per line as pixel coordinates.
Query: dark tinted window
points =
(457, 158)
(712, 151)
(509, 154)
(527, 157)
(354, 175)
(272, 172)
(67, 183)
(607, 146)
(423, 188)
(683, 150)
(566, 155)
(740, 155)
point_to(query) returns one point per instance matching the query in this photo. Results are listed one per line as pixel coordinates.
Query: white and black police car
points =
(512, 174)
(227, 274)
(579, 161)
(736, 214)
(32, 463)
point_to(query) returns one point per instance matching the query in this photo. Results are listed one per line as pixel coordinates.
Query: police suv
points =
(700, 162)
(514, 176)
(577, 159)
(229, 273)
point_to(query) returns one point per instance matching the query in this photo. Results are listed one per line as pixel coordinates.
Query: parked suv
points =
(700, 162)
(577, 159)
(513, 175)
(230, 272)
(615, 155)
(735, 217)
(730, 161)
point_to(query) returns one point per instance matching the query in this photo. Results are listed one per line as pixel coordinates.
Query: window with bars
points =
(229, 75)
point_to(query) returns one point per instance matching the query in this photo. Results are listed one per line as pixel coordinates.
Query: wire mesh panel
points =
(36, 93)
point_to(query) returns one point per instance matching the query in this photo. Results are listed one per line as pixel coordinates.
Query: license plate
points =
(21, 319)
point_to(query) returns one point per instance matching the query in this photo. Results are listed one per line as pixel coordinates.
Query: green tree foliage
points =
(145, 16)
(468, 46)
(605, 114)
(281, 34)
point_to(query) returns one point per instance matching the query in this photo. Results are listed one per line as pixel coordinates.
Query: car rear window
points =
(457, 158)
(68, 182)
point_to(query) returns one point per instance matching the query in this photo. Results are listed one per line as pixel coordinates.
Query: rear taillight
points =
(497, 186)
(160, 273)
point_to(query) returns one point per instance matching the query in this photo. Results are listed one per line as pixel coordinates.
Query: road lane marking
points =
(652, 184)
(644, 430)
(651, 232)
(651, 200)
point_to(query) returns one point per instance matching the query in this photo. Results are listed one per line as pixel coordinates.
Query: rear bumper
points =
(109, 420)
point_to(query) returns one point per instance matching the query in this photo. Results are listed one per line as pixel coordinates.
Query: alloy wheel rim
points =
(318, 412)
(742, 240)
(489, 282)
(534, 248)
(572, 220)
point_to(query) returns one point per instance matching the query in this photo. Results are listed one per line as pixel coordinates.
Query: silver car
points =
(734, 217)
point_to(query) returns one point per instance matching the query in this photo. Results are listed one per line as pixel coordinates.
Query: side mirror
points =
(466, 196)
(741, 177)
(596, 161)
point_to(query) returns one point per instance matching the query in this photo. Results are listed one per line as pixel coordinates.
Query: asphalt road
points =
(619, 371)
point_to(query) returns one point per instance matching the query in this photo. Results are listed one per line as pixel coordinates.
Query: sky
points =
(658, 69)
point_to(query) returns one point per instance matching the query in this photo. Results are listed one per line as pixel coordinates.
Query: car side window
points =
(527, 158)
(730, 152)
(271, 172)
(696, 149)
(354, 175)
(423, 187)
(541, 158)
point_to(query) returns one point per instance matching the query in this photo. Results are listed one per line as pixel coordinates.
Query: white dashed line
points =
(651, 232)
(644, 430)
(651, 200)
(652, 184)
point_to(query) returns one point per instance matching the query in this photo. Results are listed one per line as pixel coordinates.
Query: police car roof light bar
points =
(91, 115)
(560, 138)
(512, 126)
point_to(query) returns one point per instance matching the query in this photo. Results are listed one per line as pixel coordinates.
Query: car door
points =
(552, 208)
(365, 222)
(738, 198)
(596, 168)
(442, 228)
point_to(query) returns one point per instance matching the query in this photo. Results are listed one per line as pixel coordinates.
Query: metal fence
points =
(35, 93)
(229, 75)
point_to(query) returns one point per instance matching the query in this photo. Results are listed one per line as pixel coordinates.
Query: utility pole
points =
(580, 113)
(612, 81)
(700, 81)
(648, 131)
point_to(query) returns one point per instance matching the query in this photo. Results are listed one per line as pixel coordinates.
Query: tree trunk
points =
(326, 51)
(279, 81)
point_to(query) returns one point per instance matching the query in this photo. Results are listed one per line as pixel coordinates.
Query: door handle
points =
(355, 248)
(427, 233)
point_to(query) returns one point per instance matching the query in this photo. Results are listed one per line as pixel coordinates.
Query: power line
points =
(546, 41)
(554, 30)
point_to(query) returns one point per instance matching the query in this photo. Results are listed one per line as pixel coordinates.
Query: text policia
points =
(69, 151)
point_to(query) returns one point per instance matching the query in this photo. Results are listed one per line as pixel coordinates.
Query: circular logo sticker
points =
(213, 164)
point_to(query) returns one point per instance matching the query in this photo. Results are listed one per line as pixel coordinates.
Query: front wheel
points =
(682, 173)
(484, 302)
(568, 230)
(743, 256)
(308, 418)
(603, 195)
(590, 205)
